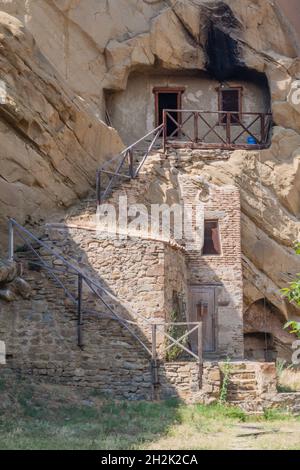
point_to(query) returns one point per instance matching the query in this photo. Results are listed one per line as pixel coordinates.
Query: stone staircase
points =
(85, 210)
(242, 386)
(253, 387)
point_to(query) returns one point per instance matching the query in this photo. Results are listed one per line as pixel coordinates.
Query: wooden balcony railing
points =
(187, 129)
(216, 129)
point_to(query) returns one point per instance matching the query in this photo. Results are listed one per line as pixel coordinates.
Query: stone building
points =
(206, 90)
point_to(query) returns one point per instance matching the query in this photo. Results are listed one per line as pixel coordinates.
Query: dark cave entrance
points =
(260, 346)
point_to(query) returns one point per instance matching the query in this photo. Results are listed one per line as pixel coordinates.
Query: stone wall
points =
(224, 271)
(286, 401)
(181, 177)
(141, 273)
(182, 377)
(41, 331)
(41, 340)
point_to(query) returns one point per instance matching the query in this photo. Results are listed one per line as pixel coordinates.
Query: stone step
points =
(241, 395)
(240, 366)
(240, 380)
(242, 386)
(242, 375)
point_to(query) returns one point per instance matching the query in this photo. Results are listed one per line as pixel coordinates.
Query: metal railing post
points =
(196, 136)
(130, 163)
(164, 131)
(154, 354)
(154, 365)
(228, 128)
(79, 312)
(98, 187)
(200, 352)
(262, 128)
(10, 241)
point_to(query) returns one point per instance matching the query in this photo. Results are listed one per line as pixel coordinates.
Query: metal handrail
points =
(125, 156)
(22, 232)
(14, 227)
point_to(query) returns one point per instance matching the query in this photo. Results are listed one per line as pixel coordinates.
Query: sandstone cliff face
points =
(51, 152)
(51, 144)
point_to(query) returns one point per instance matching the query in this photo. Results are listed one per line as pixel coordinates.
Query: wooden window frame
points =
(240, 90)
(219, 235)
(178, 90)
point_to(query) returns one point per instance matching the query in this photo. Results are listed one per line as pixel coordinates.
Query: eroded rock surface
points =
(12, 285)
(51, 145)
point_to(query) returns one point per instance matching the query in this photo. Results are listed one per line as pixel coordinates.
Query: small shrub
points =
(293, 326)
(276, 415)
(226, 370)
(292, 294)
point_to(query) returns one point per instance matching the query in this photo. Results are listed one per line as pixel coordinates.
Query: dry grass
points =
(212, 428)
(36, 416)
(289, 380)
(251, 436)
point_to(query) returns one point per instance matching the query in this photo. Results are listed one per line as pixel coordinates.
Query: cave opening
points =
(260, 346)
(264, 335)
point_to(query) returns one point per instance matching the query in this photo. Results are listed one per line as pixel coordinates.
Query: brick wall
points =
(224, 271)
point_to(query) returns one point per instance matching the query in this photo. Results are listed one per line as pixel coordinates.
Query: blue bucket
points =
(251, 140)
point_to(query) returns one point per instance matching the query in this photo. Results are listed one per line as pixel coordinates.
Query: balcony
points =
(216, 130)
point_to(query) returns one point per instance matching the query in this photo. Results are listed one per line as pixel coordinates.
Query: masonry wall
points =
(41, 340)
(41, 332)
(223, 272)
(142, 274)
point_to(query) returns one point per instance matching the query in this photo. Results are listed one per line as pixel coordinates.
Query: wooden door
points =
(202, 308)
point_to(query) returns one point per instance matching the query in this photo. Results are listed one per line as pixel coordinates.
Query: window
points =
(230, 100)
(212, 244)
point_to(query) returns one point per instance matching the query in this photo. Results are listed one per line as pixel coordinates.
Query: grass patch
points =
(39, 416)
(277, 415)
